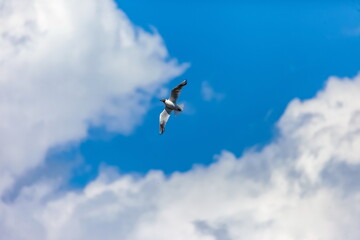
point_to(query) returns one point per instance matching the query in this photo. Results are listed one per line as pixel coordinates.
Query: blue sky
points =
(267, 148)
(260, 56)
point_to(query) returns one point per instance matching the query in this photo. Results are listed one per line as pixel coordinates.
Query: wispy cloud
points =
(279, 192)
(352, 32)
(209, 94)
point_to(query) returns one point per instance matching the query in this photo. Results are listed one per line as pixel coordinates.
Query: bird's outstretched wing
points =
(176, 91)
(164, 117)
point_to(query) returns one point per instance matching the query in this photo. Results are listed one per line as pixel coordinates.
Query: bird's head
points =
(163, 100)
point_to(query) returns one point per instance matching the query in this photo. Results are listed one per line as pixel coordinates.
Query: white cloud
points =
(326, 129)
(66, 65)
(293, 189)
(209, 94)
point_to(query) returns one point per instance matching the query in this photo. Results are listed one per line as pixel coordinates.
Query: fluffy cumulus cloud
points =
(328, 129)
(66, 65)
(299, 187)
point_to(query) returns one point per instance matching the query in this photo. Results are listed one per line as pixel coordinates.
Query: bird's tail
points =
(181, 106)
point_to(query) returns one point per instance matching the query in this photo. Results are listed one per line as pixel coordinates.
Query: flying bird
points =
(171, 105)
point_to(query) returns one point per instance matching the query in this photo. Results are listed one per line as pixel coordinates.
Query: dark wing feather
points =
(164, 117)
(176, 91)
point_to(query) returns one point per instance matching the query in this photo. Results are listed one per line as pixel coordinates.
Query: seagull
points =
(170, 105)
